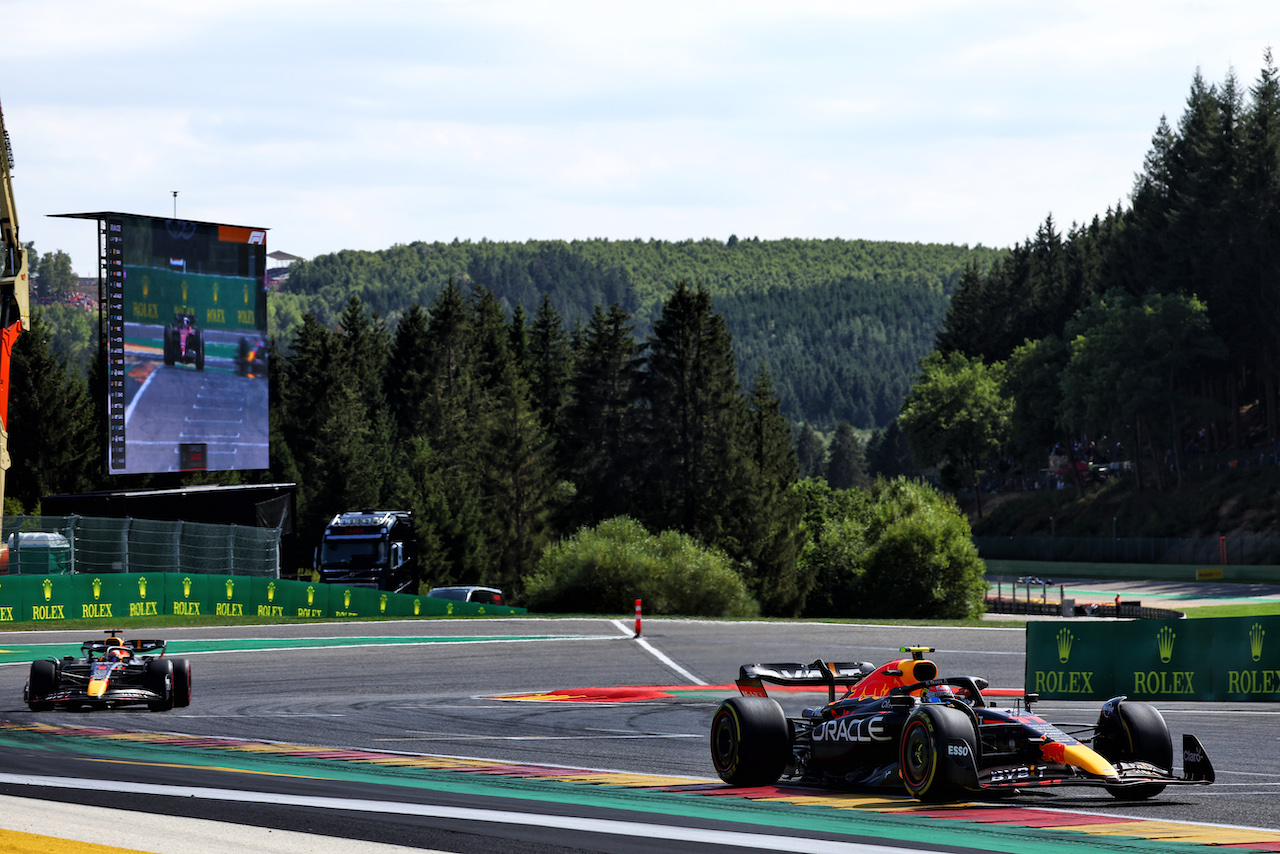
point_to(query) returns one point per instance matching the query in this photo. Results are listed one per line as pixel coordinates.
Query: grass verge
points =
(1259, 609)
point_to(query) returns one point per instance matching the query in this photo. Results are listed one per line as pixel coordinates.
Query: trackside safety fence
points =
(1221, 551)
(1225, 658)
(114, 596)
(83, 544)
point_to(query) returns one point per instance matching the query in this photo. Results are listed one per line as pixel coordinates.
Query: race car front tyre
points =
(1134, 732)
(199, 350)
(158, 679)
(42, 682)
(750, 741)
(938, 753)
(181, 683)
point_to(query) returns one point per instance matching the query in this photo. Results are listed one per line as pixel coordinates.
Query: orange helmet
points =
(119, 653)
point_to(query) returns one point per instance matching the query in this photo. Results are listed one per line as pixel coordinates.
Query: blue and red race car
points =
(111, 672)
(900, 725)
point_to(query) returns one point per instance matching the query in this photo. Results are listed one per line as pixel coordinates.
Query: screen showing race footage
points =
(187, 345)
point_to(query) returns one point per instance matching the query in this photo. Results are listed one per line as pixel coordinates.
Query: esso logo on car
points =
(852, 729)
(957, 750)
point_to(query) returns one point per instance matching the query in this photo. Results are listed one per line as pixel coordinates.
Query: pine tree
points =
(769, 510)
(307, 383)
(408, 382)
(518, 485)
(693, 438)
(598, 445)
(450, 375)
(492, 339)
(454, 420)
(1251, 325)
(847, 466)
(550, 364)
(363, 347)
(889, 454)
(811, 452)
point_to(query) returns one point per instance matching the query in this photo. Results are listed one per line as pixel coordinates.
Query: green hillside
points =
(840, 324)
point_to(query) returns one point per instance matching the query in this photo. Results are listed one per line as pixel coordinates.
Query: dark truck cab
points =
(369, 548)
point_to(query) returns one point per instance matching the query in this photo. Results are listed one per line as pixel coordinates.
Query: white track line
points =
(633, 829)
(659, 655)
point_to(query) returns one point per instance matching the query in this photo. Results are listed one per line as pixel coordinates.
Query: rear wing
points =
(148, 647)
(751, 677)
(96, 649)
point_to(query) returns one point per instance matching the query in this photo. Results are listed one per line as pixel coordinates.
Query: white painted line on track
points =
(137, 396)
(295, 646)
(600, 736)
(658, 654)
(632, 829)
(131, 829)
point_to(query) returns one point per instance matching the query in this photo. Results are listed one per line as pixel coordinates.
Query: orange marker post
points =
(637, 618)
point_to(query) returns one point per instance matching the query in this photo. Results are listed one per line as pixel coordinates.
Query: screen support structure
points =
(14, 292)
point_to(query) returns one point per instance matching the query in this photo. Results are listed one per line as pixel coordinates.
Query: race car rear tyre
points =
(42, 682)
(750, 741)
(938, 753)
(1136, 733)
(158, 679)
(169, 357)
(181, 683)
(199, 350)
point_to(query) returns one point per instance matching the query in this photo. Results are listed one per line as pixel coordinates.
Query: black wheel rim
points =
(726, 741)
(917, 755)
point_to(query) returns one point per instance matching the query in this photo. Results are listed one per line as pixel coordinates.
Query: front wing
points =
(73, 688)
(1197, 771)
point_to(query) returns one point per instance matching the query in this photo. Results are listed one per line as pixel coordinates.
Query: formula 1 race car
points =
(901, 725)
(183, 341)
(110, 673)
(252, 358)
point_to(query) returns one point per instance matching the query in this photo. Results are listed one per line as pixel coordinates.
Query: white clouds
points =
(358, 125)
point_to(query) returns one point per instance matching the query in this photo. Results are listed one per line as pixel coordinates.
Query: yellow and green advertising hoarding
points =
(118, 596)
(1229, 658)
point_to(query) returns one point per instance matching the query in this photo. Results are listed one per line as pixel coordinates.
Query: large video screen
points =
(187, 345)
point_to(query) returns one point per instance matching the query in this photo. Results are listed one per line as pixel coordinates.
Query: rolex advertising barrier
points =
(1228, 658)
(115, 596)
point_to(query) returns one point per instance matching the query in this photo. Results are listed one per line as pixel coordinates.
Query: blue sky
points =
(359, 125)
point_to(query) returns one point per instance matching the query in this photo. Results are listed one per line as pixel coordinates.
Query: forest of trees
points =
(1150, 331)
(504, 433)
(839, 324)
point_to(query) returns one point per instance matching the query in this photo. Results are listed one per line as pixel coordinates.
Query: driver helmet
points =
(939, 693)
(119, 653)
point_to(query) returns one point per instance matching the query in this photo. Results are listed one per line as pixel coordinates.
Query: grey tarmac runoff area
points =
(238, 769)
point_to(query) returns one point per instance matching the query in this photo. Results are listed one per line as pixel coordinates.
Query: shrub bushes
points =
(603, 570)
(901, 549)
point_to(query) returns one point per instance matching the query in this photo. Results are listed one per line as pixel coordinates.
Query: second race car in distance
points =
(901, 726)
(184, 341)
(110, 673)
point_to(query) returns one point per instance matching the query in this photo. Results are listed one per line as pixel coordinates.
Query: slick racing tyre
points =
(158, 679)
(939, 747)
(199, 350)
(42, 682)
(181, 683)
(750, 741)
(1135, 733)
